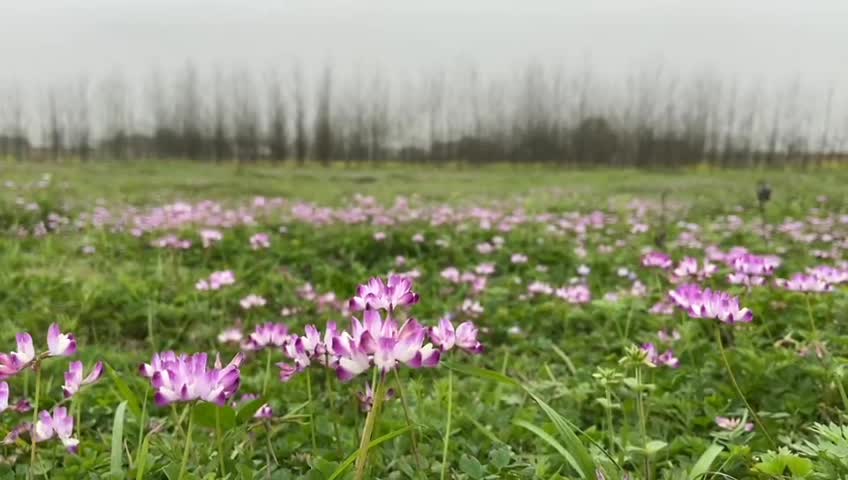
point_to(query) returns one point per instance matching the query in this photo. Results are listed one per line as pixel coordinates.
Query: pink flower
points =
(805, 283)
(656, 359)
(464, 336)
(380, 236)
(184, 378)
(418, 238)
(666, 337)
(74, 379)
(830, 275)
(518, 258)
(252, 301)
(366, 398)
(376, 295)
(709, 304)
(210, 237)
(730, 424)
(60, 425)
(59, 344)
(656, 260)
(231, 335)
(4, 396)
(267, 335)
(216, 280)
(260, 241)
(576, 294)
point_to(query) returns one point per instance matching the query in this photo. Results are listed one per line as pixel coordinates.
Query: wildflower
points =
(667, 337)
(60, 425)
(418, 238)
(382, 344)
(375, 294)
(805, 283)
(366, 398)
(88, 250)
(583, 270)
(380, 236)
(485, 269)
(267, 335)
(464, 336)
(655, 359)
(471, 307)
(576, 294)
(184, 378)
(663, 307)
(688, 267)
(311, 346)
(537, 288)
(709, 304)
(731, 424)
(59, 344)
(74, 379)
(656, 260)
(231, 335)
(210, 237)
(216, 280)
(260, 241)
(4, 396)
(252, 301)
(831, 275)
(264, 412)
(450, 274)
(485, 248)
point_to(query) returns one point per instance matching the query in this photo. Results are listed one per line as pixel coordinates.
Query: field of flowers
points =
(188, 322)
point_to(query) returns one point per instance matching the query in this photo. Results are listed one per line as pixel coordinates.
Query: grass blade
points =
(702, 466)
(116, 470)
(377, 441)
(550, 441)
(141, 460)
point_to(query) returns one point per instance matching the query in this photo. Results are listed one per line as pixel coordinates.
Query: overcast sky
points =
(772, 40)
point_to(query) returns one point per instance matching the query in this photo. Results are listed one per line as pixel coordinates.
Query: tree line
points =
(536, 114)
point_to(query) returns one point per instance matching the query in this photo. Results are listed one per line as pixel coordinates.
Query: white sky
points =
(766, 40)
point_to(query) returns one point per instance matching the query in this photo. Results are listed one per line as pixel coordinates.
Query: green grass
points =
(552, 401)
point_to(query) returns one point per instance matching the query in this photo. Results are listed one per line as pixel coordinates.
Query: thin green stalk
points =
(813, 328)
(267, 373)
(643, 430)
(412, 435)
(187, 448)
(219, 439)
(37, 368)
(610, 426)
(150, 329)
(142, 421)
(447, 427)
(332, 396)
(370, 421)
(311, 409)
(739, 390)
(842, 393)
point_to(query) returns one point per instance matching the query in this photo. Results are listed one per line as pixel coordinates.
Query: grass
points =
(555, 395)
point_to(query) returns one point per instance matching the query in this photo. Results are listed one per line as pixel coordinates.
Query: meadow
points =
(522, 323)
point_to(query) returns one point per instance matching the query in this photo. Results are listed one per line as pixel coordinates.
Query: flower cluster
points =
(656, 260)
(188, 378)
(706, 303)
(216, 281)
(377, 295)
(805, 283)
(656, 359)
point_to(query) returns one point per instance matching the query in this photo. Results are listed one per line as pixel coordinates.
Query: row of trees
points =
(538, 114)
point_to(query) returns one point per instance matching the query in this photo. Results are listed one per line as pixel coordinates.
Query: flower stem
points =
(447, 427)
(219, 438)
(610, 426)
(739, 390)
(643, 430)
(267, 373)
(187, 447)
(332, 397)
(412, 435)
(815, 331)
(37, 367)
(368, 430)
(311, 408)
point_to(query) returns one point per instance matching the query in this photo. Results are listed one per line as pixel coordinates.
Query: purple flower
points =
(464, 336)
(210, 237)
(184, 378)
(666, 337)
(216, 280)
(4, 396)
(830, 275)
(264, 412)
(267, 335)
(260, 241)
(382, 344)
(366, 398)
(577, 294)
(656, 260)
(60, 425)
(252, 301)
(311, 346)
(60, 344)
(655, 359)
(74, 379)
(709, 304)
(376, 295)
(805, 283)
(730, 424)
(231, 335)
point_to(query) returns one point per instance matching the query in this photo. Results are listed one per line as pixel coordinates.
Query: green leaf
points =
(800, 467)
(500, 458)
(705, 462)
(125, 393)
(204, 416)
(550, 441)
(377, 441)
(654, 446)
(141, 461)
(116, 470)
(471, 466)
(246, 411)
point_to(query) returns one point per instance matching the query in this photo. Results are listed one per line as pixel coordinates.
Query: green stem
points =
(332, 396)
(412, 435)
(37, 368)
(219, 438)
(447, 427)
(739, 390)
(142, 422)
(150, 328)
(187, 448)
(370, 421)
(267, 373)
(815, 331)
(311, 408)
(610, 426)
(643, 430)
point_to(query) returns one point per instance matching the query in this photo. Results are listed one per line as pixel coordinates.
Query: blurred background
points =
(647, 83)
